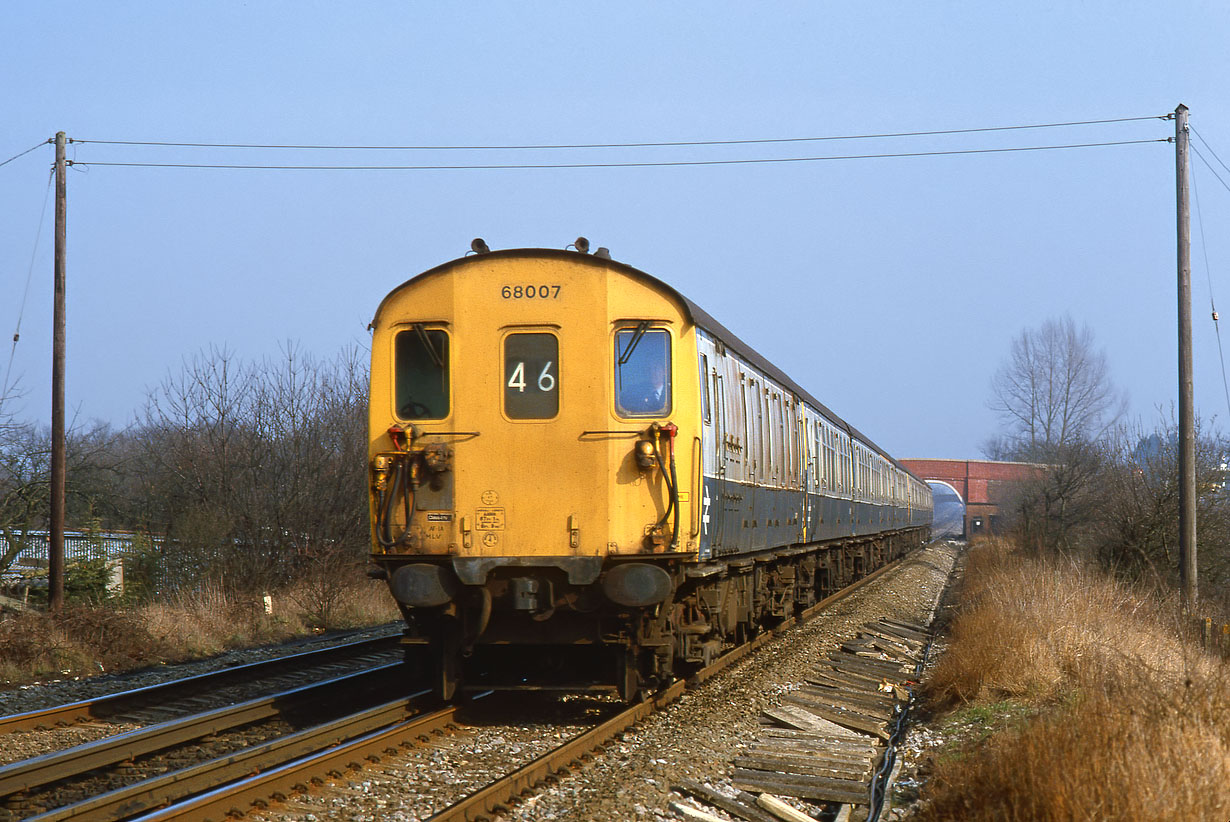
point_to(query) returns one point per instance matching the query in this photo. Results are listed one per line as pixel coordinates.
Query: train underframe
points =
(545, 625)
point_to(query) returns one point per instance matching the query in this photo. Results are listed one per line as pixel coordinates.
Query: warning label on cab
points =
(489, 519)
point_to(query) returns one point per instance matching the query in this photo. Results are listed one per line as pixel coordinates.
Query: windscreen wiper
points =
(431, 349)
(634, 342)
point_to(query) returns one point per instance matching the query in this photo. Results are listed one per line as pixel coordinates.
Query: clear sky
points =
(890, 288)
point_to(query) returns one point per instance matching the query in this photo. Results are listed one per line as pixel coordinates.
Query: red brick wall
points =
(982, 484)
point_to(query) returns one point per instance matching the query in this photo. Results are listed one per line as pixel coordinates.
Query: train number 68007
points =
(530, 292)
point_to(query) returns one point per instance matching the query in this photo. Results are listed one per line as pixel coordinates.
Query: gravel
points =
(60, 691)
(695, 738)
(25, 744)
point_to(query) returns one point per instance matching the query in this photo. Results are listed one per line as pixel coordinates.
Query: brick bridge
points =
(982, 485)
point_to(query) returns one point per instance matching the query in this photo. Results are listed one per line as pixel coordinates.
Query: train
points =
(580, 480)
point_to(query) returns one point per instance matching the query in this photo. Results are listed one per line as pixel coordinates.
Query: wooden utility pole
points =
(1187, 414)
(55, 548)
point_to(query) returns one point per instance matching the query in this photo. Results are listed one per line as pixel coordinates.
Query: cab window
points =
(421, 363)
(642, 372)
(531, 376)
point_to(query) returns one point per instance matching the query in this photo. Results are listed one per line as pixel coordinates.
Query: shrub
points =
(1129, 721)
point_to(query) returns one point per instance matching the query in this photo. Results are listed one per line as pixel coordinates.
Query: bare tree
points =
(24, 477)
(256, 473)
(1135, 530)
(1055, 510)
(25, 480)
(1054, 390)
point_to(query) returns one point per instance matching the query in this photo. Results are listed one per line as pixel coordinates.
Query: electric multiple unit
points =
(581, 480)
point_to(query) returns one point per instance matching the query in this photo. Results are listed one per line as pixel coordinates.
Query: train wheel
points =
(445, 656)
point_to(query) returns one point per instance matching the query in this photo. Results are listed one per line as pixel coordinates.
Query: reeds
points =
(1130, 719)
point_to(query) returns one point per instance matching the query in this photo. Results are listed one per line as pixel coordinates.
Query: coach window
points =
(704, 390)
(642, 372)
(422, 373)
(765, 423)
(780, 445)
(531, 376)
(822, 477)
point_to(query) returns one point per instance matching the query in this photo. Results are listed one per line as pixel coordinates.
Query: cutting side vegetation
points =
(1067, 694)
(88, 638)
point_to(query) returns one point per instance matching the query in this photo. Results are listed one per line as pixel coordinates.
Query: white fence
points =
(31, 560)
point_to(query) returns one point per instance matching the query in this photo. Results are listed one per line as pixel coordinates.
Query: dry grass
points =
(1129, 720)
(86, 640)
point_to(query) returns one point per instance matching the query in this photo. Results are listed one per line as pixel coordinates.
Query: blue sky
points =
(890, 288)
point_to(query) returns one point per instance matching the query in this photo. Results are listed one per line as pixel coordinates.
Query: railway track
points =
(499, 794)
(195, 693)
(119, 775)
(228, 761)
(485, 801)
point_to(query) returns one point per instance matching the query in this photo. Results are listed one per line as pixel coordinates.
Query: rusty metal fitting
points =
(380, 470)
(645, 459)
(438, 458)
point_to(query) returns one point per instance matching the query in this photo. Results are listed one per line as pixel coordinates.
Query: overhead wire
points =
(24, 153)
(662, 144)
(629, 164)
(620, 164)
(1209, 165)
(1208, 273)
(1209, 147)
(5, 387)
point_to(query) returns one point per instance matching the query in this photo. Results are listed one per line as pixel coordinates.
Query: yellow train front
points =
(537, 496)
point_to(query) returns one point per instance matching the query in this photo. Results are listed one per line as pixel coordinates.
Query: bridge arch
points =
(936, 482)
(948, 512)
(982, 486)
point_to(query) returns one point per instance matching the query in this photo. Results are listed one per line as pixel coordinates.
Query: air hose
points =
(668, 476)
(674, 486)
(384, 506)
(657, 455)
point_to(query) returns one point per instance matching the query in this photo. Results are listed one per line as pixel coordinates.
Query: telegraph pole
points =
(1187, 423)
(55, 550)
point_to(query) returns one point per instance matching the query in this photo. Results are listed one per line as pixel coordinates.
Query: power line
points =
(1208, 273)
(1209, 166)
(1210, 148)
(42, 215)
(24, 153)
(495, 167)
(675, 143)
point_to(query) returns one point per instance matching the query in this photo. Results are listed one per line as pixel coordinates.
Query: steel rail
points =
(484, 803)
(54, 767)
(177, 785)
(279, 781)
(237, 797)
(111, 704)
